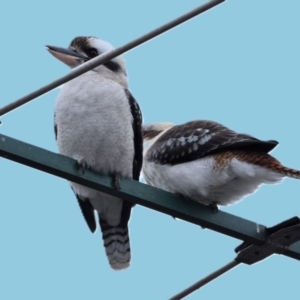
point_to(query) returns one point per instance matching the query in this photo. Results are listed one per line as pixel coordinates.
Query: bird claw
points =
(183, 197)
(213, 207)
(82, 165)
(116, 181)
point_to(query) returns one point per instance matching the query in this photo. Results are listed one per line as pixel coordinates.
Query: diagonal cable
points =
(108, 56)
(205, 280)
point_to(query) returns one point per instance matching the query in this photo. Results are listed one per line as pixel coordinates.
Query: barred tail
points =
(287, 171)
(273, 164)
(267, 161)
(117, 246)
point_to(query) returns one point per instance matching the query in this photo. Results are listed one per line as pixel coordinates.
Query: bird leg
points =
(183, 197)
(214, 207)
(116, 181)
(82, 164)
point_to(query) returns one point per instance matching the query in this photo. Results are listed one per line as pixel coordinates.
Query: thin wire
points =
(205, 280)
(108, 56)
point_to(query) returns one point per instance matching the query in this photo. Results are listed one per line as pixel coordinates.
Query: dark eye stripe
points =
(91, 52)
(113, 66)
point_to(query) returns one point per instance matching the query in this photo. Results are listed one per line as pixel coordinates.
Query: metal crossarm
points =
(139, 193)
(279, 238)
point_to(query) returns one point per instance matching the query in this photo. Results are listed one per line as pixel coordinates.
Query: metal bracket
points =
(279, 238)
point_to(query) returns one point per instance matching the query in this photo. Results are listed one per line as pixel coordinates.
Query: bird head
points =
(152, 132)
(84, 48)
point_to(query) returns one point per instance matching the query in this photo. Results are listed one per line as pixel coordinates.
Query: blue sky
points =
(237, 64)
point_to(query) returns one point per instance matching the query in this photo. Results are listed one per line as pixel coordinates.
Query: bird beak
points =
(67, 56)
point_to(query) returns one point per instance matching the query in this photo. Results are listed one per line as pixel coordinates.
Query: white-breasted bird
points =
(99, 123)
(207, 162)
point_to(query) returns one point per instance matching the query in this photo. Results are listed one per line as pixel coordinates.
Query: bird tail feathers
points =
(117, 246)
(287, 171)
(267, 161)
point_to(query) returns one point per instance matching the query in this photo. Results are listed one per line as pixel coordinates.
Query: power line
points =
(108, 56)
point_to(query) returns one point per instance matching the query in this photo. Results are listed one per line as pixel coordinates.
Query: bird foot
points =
(183, 197)
(214, 207)
(116, 181)
(82, 164)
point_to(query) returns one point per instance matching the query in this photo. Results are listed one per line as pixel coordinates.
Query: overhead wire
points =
(103, 58)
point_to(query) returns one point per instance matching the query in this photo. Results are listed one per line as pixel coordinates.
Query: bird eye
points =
(92, 52)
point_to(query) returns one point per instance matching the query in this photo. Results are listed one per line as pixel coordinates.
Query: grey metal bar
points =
(108, 56)
(133, 191)
(205, 280)
(139, 193)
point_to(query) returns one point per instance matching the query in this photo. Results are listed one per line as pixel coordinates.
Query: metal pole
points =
(108, 56)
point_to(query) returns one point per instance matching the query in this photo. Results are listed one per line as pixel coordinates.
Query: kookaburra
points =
(99, 123)
(207, 162)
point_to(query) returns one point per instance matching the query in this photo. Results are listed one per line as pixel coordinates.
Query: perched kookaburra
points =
(206, 162)
(99, 123)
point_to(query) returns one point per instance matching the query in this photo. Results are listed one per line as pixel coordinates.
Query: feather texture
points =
(207, 162)
(98, 121)
(196, 139)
